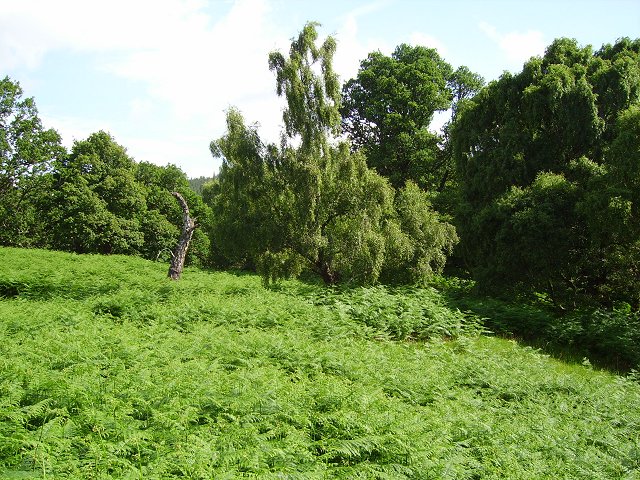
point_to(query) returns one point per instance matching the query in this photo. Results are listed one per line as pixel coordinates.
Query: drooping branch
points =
(180, 252)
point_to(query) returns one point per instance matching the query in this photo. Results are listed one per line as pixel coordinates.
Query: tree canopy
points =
(315, 205)
(539, 158)
(27, 153)
(389, 106)
(93, 199)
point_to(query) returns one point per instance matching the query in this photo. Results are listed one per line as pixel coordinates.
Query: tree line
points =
(93, 199)
(532, 186)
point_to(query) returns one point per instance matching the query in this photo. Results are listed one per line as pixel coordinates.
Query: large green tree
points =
(310, 203)
(97, 203)
(390, 105)
(27, 152)
(102, 201)
(544, 205)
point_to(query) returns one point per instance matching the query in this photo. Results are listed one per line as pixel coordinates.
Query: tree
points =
(27, 152)
(97, 203)
(95, 199)
(544, 203)
(102, 201)
(247, 203)
(163, 219)
(284, 210)
(198, 183)
(313, 100)
(159, 223)
(389, 106)
(417, 240)
(612, 212)
(312, 202)
(337, 207)
(464, 84)
(180, 251)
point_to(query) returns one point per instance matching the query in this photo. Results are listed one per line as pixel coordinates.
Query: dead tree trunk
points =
(180, 252)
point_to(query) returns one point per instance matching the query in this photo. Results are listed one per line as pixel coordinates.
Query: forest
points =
(531, 188)
(520, 219)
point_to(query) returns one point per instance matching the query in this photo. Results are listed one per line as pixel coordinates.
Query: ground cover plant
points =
(110, 370)
(608, 337)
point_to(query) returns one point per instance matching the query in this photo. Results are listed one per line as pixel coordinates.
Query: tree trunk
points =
(327, 275)
(180, 252)
(326, 272)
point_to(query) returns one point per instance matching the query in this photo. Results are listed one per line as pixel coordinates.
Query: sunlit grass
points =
(110, 370)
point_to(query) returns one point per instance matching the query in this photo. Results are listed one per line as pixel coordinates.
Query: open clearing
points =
(110, 370)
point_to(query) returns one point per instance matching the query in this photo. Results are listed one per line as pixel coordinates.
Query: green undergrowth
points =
(110, 370)
(610, 338)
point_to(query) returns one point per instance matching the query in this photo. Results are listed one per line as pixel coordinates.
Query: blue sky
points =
(159, 74)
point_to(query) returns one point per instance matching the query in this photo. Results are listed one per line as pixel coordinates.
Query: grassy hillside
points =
(109, 370)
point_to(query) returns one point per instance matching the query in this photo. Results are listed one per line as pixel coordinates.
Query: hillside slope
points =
(110, 370)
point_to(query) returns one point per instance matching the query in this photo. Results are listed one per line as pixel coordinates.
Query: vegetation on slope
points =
(109, 370)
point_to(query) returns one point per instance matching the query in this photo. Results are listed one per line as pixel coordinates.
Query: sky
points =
(159, 75)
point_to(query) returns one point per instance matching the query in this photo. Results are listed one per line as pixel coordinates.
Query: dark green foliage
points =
(389, 106)
(198, 183)
(27, 152)
(109, 370)
(612, 209)
(537, 157)
(162, 218)
(96, 202)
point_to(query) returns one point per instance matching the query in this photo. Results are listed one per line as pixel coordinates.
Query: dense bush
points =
(545, 205)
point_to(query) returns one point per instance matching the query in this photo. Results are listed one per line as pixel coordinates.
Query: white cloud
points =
(517, 46)
(39, 26)
(140, 108)
(425, 40)
(351, 49)
(200, 67)
(185, 58)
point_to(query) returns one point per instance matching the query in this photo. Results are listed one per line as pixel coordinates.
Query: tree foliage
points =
(97, 202)
(389, 106)
(310, 203)
(418, 241)
(27, 152)
(95, 199)
(162, 219)
(312, 100)
(540, 157)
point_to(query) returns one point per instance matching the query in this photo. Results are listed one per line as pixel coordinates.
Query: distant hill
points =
(197, 183)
